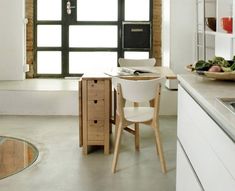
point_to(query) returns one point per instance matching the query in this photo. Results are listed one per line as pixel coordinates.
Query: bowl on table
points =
(227, 24)
(211, 23)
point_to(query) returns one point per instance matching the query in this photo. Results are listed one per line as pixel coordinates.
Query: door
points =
(76, 36)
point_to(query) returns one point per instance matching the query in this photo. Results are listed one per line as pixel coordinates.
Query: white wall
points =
(57, 97)
(178, 34)
(166, 33)
(12, 39)
(15, 102)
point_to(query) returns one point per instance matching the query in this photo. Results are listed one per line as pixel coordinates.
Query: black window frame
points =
(65, 23)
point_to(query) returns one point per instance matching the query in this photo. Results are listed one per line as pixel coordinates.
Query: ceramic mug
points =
(227, 24)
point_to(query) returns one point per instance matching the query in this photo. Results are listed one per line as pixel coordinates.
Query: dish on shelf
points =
(211, 23)
(227, 24)
(213, 75)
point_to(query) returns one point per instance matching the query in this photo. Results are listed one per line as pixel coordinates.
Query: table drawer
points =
(95, 89)
(95, 130)
(96, 109)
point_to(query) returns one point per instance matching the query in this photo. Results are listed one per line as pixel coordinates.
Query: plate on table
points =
(214, 75)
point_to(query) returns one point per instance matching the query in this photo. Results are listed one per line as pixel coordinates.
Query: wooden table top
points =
(157, 71)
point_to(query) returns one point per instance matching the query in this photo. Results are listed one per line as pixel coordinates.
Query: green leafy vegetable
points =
(233, 58)
(233, 67)
(228, 69)
(225, 65)
(219, 61)
(202, 65)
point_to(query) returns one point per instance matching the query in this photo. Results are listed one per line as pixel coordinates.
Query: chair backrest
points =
(138, 90)
(123, 62)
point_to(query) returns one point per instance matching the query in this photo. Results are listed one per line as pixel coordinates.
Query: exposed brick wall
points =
(157, 22)
(29, 38)
(157, 6)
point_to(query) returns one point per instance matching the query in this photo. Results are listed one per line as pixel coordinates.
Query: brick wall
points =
(29, 38)
(157, 5)
(157, 22)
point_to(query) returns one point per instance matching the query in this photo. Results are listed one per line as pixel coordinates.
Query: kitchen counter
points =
(206, 93)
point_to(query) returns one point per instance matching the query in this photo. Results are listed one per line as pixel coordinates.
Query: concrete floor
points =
(62, 167)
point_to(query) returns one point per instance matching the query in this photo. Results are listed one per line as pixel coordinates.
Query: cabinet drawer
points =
(186, 179)
(95, 89)
(207, 147)
(95, 130)
(95, 109)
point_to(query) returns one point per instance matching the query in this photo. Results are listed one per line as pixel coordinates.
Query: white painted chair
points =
(137, 91)
(123, 62)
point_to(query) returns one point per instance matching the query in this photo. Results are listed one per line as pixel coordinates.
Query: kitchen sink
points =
(228, 103)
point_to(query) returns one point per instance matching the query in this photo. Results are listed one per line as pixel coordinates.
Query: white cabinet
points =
(218, 42)
(210, 151)
(12, 40)
(186, 177)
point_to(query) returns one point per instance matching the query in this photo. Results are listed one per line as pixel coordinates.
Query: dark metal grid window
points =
(71, 20)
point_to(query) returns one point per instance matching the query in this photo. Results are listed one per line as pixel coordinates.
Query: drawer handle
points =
(95, 101)
(95, 81)
(95, 121)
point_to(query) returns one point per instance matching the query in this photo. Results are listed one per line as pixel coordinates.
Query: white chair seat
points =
(138, 114)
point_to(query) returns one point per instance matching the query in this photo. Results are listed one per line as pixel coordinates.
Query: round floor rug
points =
(15, 155)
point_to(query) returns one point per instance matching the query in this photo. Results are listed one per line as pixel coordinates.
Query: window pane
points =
(97, 10)
(49, 10)
(49, 62)
(91, 62)
(93, 36)
(49, 35)
(137, 10)
(136, 55)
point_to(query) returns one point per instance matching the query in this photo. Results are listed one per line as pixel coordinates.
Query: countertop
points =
(206, 93)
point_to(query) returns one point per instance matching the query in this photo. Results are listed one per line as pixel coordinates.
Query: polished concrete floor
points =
(62, 167)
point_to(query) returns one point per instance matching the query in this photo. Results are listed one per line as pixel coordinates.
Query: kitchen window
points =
(77, 36)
